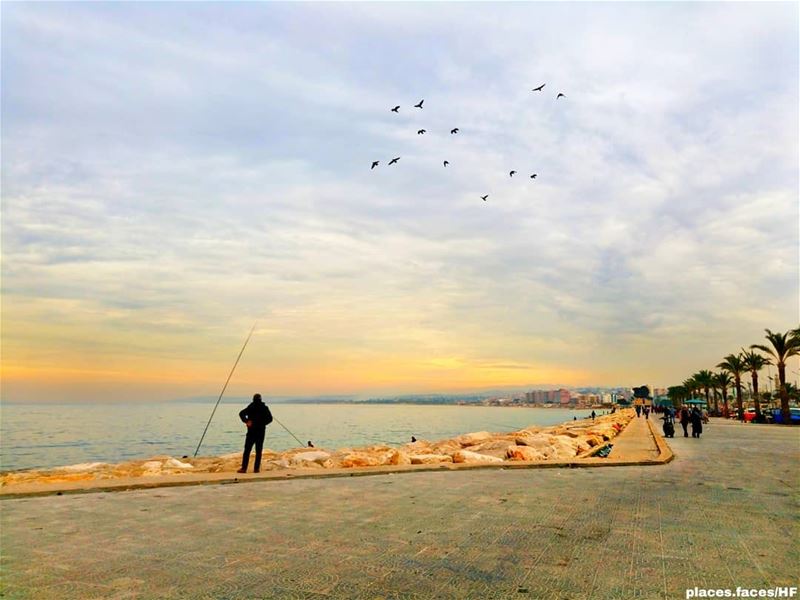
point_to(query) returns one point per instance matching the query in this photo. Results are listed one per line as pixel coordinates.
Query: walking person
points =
(697, 422)
(685, 419)
(256, 416)
(638, 411)
(646, 412)
(593, 415)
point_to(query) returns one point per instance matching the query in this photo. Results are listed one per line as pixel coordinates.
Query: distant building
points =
(564, 397)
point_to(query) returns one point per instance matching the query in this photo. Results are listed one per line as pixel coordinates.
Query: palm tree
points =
(784, 346)
(715, 393)
(754, 362)
(677, 393)
(691, 386)
(734, 365)
(724, 381)
(705, 379)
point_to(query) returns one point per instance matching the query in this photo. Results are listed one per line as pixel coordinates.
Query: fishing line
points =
(224, 387)
(376, 439)
(287, 429)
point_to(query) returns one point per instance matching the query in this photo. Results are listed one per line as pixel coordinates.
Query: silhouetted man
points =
(256, 416)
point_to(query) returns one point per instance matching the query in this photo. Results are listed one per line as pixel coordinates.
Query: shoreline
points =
(568, 442)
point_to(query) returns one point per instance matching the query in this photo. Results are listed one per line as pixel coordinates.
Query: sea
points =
(49, 435)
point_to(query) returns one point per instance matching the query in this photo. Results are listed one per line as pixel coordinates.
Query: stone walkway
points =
(636, 442)
(723, 514)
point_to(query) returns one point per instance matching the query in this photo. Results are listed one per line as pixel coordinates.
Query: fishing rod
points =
(287, 429)
(224, 387)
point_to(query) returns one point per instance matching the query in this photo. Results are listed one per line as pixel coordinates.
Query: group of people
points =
(686, 416)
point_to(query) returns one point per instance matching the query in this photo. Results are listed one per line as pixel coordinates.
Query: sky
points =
(173, 173)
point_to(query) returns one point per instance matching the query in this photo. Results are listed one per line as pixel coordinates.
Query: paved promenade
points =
(723, 514)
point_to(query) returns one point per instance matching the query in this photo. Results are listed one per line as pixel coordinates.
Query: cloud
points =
(180, 171)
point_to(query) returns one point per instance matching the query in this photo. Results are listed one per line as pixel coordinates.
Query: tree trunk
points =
(755, 395)
(739, 397)
(784, 395)
(725, 402)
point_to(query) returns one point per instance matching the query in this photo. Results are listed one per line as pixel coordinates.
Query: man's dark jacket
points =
(258, 413)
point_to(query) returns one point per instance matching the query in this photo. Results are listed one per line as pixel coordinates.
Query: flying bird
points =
(533, 176)
(420, 132)
(447, 162)
(538, 89)
(511, 173)
(484, 197)
(560, 95)
(374, 164)
(454, 130)
(396, 108)
(394, 160)
(420, 103)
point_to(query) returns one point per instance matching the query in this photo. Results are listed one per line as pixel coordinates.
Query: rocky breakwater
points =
(566, 442)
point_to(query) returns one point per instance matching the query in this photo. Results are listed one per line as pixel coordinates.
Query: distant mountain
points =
(270, 399)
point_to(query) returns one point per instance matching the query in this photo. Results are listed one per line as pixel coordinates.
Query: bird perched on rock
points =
(454, 130)
(511, 173)
(420, 103)
(447, 162)
(484, 197)
(396, 109)
(420, 132)
(560, 95)
(538, 89)
(374, 164)
(533, 176)
(394, 160)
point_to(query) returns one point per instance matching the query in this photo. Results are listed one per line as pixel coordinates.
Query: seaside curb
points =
(665, 455)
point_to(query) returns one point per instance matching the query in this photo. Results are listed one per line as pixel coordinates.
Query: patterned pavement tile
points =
(724, 513)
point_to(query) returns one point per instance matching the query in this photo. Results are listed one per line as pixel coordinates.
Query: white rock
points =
(174, 463)
(315, 456)
(470, 439)
(465, 456)
(425, 459)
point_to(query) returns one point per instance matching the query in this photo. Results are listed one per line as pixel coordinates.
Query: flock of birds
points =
(454, 131)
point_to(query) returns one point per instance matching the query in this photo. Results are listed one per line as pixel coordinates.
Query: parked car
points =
(794, 415)
(749, 414)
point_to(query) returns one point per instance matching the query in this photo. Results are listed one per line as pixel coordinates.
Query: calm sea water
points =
(47, 435)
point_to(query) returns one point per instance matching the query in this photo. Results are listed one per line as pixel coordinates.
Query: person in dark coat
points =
(697, 422)
(256, 416)
(685, 419)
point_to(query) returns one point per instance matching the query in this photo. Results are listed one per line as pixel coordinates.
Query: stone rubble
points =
(567, 441)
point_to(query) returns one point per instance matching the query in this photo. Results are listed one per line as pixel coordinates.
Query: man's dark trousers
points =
(254, 436)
